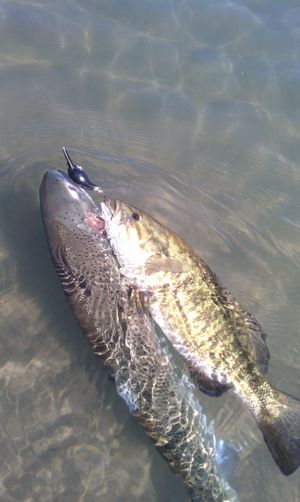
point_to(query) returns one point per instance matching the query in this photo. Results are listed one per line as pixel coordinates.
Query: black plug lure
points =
(78, 175)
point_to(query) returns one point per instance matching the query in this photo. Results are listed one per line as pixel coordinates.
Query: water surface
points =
(190, 109)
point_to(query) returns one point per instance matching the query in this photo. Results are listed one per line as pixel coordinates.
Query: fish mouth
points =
(57, 192)
(109, 208)
(63, 201)
(59, 195)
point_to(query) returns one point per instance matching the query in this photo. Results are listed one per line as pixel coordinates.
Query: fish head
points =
(75, 232)
(65, 203)
(143, 246)
(131, 232)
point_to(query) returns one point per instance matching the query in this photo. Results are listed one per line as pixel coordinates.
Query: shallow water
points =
(191, 110)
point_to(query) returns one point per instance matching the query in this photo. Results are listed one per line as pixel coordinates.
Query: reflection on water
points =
(190, 109)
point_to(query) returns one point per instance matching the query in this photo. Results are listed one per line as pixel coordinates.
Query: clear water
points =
(190, 109)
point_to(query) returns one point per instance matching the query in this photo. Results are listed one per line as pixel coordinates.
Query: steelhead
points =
(223, 345)
(111, 315)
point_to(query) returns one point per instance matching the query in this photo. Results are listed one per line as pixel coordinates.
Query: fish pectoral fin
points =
(74, 284)
(63, 270)
(207, 384)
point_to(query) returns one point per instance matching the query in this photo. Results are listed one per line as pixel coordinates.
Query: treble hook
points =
(78, 175)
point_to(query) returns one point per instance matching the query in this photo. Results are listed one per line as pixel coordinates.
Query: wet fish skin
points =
(112, 316)
(222, 344)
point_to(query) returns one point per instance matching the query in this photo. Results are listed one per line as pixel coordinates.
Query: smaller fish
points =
(223, 345)
(112, 316)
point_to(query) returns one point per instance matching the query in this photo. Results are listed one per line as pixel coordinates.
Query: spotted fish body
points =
(222, 344)
(112, 316)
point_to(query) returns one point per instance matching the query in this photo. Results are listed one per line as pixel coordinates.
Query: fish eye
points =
(135, 216)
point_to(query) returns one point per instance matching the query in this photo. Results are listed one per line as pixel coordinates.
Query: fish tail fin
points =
(281, 432)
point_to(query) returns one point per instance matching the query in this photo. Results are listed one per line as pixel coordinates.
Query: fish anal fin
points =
(282, 433)
(207, 384)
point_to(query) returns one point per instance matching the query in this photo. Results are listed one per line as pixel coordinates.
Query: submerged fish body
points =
(222, 344)
(111, 314)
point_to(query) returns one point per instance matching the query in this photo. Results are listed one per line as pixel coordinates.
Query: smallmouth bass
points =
(222, 344)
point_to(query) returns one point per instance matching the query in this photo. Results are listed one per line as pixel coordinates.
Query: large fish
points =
(112, 317)
(222, 344)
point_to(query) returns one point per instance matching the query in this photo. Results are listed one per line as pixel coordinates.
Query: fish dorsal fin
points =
(255, 341)
(251, 338)
(250, 333)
